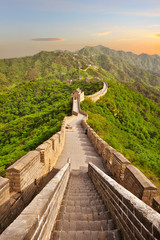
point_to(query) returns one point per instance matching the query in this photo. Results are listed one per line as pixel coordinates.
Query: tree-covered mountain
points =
(148, 62)
(64, 66)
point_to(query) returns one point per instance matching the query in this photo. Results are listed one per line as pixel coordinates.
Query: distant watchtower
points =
(78, 94)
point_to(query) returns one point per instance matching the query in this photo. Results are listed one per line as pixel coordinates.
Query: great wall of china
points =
(30, 200)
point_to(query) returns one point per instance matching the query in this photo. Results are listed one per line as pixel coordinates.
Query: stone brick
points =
(139, 185)
(119, 163)
(156, 232)
(4, 189)
(147, 235)
(156, 203)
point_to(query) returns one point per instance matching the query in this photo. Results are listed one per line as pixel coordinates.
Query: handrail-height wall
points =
(135, 218)
(24, 177)
(37, 220)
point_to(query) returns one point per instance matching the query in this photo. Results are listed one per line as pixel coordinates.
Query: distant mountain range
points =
(140, 72)
(149, 62)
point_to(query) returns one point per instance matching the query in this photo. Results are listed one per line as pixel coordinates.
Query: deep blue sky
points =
(29, 26)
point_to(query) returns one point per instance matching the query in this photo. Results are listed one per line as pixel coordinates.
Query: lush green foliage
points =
(32, 112)
(150, 63)
(126, 67)
(130, 123)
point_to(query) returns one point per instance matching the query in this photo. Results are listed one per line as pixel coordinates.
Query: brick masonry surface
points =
(135, 218)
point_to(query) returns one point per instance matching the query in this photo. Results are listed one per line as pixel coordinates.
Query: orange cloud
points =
(157, 35)
(102, 33)
(48, 39)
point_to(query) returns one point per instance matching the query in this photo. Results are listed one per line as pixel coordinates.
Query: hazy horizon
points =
(75, 51)
(31, 26)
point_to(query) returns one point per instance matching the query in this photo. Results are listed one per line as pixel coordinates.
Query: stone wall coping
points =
(141, 178)
(157, 199)
(26, 224)
(151, 215)
(23, 161)
(3, 182)
(121, 158)
(108, 147)
(43, 146)
(54, 137)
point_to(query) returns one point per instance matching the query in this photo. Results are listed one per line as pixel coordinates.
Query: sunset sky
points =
(30, 26)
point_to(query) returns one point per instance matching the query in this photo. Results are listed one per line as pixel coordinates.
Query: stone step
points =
(79, 191)
(80, 183)
(84, 216)
(82, 203)
(94, 194)
(87, 235)
(91, 209)
(81, 198)
(77, 225)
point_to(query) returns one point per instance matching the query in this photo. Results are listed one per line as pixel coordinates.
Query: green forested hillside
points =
(148, 62)
(64, 65)
(130, 123)
(32, 112)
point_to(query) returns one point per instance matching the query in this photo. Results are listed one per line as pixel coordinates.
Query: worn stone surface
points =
(29, 175)
(4, 189)
(79, 149)
(37, 219)
(83, 212)
(156, 203)
(139, 185)
(135, 218)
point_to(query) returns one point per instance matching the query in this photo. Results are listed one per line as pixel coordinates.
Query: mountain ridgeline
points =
(38, 89)
(148, 62)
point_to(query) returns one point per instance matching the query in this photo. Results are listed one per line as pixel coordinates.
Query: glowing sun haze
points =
(30, 26)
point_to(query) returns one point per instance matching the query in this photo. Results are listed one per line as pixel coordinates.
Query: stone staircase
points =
(83, 214)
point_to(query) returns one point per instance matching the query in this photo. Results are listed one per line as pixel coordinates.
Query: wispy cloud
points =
(157, 35)
(48, 39)
(145, 14)
(154, 26)
(101, 34)
(125, 39)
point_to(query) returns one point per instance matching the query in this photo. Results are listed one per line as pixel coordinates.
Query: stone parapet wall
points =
(99, 94)
(139, 185)
(24, 171)
(23, 177)
(119, 166)
(121, 169)
(4, 189)
(37, 220)
(156, 203)
(137, 220)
